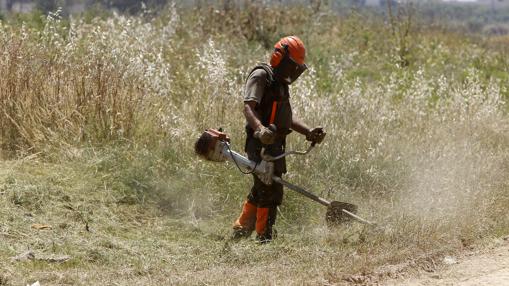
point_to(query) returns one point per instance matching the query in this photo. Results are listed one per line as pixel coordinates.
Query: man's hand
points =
(316, 135)
(265, 135)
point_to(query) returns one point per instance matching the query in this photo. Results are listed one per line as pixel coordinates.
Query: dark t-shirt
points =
(255, 86)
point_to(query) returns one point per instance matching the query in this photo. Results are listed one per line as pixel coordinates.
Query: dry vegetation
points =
(98, 118)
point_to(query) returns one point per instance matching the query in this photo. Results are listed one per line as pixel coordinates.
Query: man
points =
(269, 120)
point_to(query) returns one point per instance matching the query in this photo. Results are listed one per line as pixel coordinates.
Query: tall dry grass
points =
(80, 82)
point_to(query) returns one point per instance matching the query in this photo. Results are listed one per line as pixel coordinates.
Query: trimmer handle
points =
(319, 136)
(269, 158)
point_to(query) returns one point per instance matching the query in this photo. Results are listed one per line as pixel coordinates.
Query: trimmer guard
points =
(335, 213)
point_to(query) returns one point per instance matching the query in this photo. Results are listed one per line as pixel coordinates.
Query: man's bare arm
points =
(251, 116)
(299, 126)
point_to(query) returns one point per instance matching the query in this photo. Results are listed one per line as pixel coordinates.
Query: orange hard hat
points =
(292, 45)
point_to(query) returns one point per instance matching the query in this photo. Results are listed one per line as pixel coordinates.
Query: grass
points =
(166, 235)
(99, 116)
(141, 243)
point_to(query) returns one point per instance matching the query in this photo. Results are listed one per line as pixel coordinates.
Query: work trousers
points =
(266, 198)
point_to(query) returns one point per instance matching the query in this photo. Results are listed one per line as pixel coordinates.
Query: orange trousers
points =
(255, 218)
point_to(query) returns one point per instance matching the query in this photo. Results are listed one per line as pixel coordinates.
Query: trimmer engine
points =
(214, 145)
(210, 145)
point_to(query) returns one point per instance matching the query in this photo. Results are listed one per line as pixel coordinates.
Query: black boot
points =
(240, 233)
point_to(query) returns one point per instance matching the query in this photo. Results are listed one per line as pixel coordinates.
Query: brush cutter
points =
(214, 145)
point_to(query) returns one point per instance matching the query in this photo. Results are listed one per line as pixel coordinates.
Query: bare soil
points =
(488, 267)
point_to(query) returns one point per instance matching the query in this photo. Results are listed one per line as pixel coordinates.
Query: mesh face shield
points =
(288, 70)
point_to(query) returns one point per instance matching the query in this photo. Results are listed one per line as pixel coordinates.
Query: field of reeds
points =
(98, 117)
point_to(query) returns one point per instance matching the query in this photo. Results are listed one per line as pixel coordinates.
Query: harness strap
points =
(273, 113)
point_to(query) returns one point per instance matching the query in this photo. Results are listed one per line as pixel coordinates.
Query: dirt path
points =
(487, 268)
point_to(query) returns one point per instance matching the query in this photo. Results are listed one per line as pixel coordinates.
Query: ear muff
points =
(278, 55)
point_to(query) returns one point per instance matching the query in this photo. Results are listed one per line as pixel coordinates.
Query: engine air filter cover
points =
(210, 145)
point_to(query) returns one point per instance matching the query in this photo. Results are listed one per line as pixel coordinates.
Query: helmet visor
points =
(289, 70)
